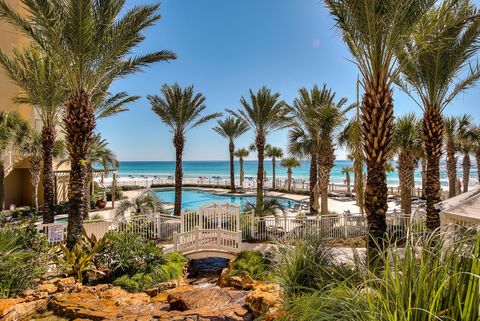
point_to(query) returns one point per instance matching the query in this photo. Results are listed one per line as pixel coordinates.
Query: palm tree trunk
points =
(179, 142)
(289, 177)
(273, 172)
(79, 125)
(406, 168)
(326, 158)
(377, 118)
(231, 148)
(477, 158)
(424, 175)
(87, 192)
(432, 127)
(347, 178)
(358, 183)
(35, 170)
(260, 143)
(48, 143)
(2, 184)
(313, 181)
(242, 174)
(466, 171)
(451, 170)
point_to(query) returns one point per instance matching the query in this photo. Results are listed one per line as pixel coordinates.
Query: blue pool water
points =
(193, 199)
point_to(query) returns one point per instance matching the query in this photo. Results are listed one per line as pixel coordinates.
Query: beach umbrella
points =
(316, 197)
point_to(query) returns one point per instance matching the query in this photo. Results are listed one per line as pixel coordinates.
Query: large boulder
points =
(265, 299)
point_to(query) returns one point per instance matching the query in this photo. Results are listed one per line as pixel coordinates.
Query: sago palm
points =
(274, 153)
(181, 110)
(435, 62)
(92, 43)
(44, 87)
(264, 113)
(143, 204)
(31, 147)
(373, 30)
(407, 145)
(231, 128)
(12, 133)
(241, 154)
(289, 163)
(346, 170)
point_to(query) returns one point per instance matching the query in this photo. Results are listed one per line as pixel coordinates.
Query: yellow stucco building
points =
(18, 189)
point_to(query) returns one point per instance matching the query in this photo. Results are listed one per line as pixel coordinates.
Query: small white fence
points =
(207, 239)
(234, 227)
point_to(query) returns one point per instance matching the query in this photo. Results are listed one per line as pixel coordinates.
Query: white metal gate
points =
(225, 216)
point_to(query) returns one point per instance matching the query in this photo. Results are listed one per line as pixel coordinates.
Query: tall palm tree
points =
(274, 153)
(43, 86)
(92, 43)
(31, 147)
(289, 163)
(181, 110)
(241, 154)
(346, 170)
(450, 132)
(329, 116)
(476, 148)
(435, 62)
(351, 138)
(264, 114)
(372, 30)
(407, 145)
(12, 130)
(231, 128)
(112, 104)
(466, 140)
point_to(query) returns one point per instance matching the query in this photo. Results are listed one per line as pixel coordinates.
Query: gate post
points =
(252, 225)
(218, 237)
(197, 232)
(175, 241)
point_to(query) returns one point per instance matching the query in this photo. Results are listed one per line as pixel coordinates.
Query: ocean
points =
(192, 169)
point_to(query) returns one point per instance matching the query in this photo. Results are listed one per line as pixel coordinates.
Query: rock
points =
(244, 282)
(266, 299)
(46, 287)
(7, 306)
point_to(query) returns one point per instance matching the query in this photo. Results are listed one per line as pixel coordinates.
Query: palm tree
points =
(181, 110)
(12, 129)
(476, 148)
(346, 170)
(270, 206)
(372, 30)
(98, 154)
(450, 135)
(32, 148)
(289, 163)
(274, 153)
(241, 154)
(92, 44)
(113, 104)
(43, 86)
(143, 204)
(351, 138)
(329, 116)
(264, 114)
(231, 128)
(435, 62)
(407, 145)
(466, 140)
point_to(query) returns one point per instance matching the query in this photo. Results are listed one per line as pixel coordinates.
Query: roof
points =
(465, 207)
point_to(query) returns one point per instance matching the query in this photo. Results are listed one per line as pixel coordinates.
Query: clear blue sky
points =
(226, 47)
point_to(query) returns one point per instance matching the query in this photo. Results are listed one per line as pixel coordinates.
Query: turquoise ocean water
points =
(192, 169)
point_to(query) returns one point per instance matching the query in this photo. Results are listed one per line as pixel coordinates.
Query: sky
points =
(226, 47)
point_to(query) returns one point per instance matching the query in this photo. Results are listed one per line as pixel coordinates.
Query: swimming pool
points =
(194, 198)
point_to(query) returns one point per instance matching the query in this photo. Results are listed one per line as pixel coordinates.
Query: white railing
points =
(10, 159)
(207, 239)
(157, 226)
(328, 227)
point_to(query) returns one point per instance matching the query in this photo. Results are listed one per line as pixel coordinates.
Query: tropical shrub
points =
(23, 259)
(80, 259)
(432, 278)
(251, 263)
(132, 188)
(156, 274)
(307, 266)
(118, 194)
(130, 253)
